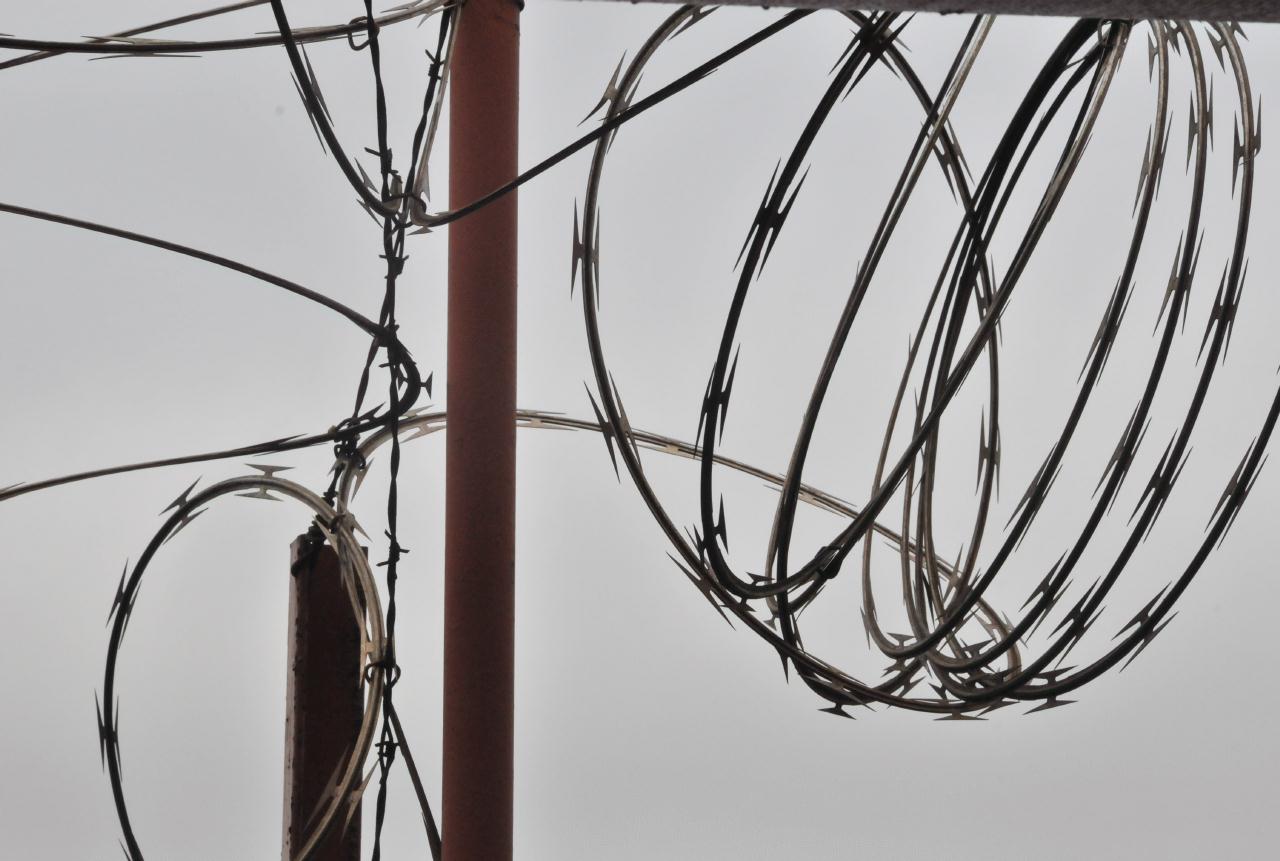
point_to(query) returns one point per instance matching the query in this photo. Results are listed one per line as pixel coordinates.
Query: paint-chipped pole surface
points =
(324, 701)
(1196, 10)
(480, 458)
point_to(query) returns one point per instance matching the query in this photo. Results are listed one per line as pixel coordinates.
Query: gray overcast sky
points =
(646, 727)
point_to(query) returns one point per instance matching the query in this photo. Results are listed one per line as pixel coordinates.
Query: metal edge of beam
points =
(1199, 10)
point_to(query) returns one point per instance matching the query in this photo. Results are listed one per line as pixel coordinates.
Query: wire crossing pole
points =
(479, 615)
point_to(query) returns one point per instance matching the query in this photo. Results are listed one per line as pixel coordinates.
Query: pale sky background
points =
(646, 728)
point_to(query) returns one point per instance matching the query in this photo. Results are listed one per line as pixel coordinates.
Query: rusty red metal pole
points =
(324, 706)
(479, 614)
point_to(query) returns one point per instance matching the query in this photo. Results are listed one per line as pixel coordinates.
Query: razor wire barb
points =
(975, 655)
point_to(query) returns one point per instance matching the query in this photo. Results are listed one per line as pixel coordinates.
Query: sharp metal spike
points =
(261, 493)
(1051, 703)
(611, 93)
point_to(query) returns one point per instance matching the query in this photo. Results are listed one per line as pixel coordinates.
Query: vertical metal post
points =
(479, 625)
(324, 706)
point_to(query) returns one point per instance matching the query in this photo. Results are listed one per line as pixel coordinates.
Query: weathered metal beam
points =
(1198, 10)
(324, 705)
